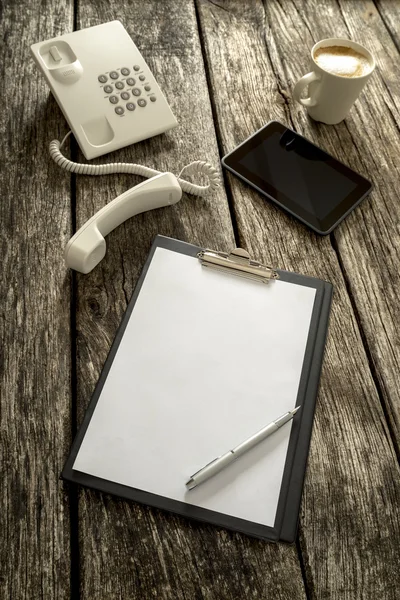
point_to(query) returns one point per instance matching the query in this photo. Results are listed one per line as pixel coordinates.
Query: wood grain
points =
(370, 244)
(349, 526)
(389, 12)
(367, 241)
(130, 551)
(35, 318)
(349, 534)
(368, 141)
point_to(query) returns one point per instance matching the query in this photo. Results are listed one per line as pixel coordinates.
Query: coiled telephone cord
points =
(198, 167)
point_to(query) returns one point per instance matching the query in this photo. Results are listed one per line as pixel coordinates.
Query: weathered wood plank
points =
(129, 551)
(35, 323)
(349, 526)
(389, 11)
(367, 241)
(369, 246)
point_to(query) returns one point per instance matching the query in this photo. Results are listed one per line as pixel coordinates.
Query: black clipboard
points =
(285, 526)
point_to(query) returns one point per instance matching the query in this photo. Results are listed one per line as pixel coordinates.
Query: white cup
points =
(330, 96)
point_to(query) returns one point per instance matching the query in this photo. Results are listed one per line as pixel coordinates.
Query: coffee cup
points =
(340, 69)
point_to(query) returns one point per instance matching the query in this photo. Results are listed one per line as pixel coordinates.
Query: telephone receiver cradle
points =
(87, 247)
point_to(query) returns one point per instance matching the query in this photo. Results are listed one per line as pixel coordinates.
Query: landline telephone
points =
(110, 99)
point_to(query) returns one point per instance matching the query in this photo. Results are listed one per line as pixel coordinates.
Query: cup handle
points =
(303, 83)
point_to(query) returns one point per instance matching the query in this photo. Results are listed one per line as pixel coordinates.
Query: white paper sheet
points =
(206, 360)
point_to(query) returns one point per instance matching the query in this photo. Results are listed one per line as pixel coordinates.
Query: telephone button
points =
(114, 75)
(147, 88)
(136, 68)
(153, 98)
(142, 102)
(119, 110)
(125, 71)
(142, 77)
(108, 89)
(130, 106)
(119, 85)
(102, 78)
(136, 92)
(125, 95)
(114, 99)
(130, 81)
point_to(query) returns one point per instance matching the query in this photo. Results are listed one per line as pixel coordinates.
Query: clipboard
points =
(289, 491)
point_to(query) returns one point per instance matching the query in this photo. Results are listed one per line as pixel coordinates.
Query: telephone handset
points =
(88, 247)
(110, 99)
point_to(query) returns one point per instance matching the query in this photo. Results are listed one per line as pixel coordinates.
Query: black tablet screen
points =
(300, 171)
(300, 176)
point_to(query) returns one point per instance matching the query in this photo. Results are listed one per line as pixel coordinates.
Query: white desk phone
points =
(110, 99)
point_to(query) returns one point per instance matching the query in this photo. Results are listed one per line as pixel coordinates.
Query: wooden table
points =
(226, 68)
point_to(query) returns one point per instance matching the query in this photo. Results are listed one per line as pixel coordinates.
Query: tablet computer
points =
(298, 176)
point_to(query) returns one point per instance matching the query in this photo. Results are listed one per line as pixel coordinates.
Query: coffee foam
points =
(342, 61)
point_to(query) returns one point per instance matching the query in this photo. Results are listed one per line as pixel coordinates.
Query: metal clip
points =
(238, 263)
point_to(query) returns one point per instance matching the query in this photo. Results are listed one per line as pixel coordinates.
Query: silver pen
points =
(216, 465)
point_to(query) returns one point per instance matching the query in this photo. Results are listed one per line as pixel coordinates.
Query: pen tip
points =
(190, 484)
(294, 411)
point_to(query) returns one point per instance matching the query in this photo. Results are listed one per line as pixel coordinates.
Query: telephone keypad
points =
(126, 82)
